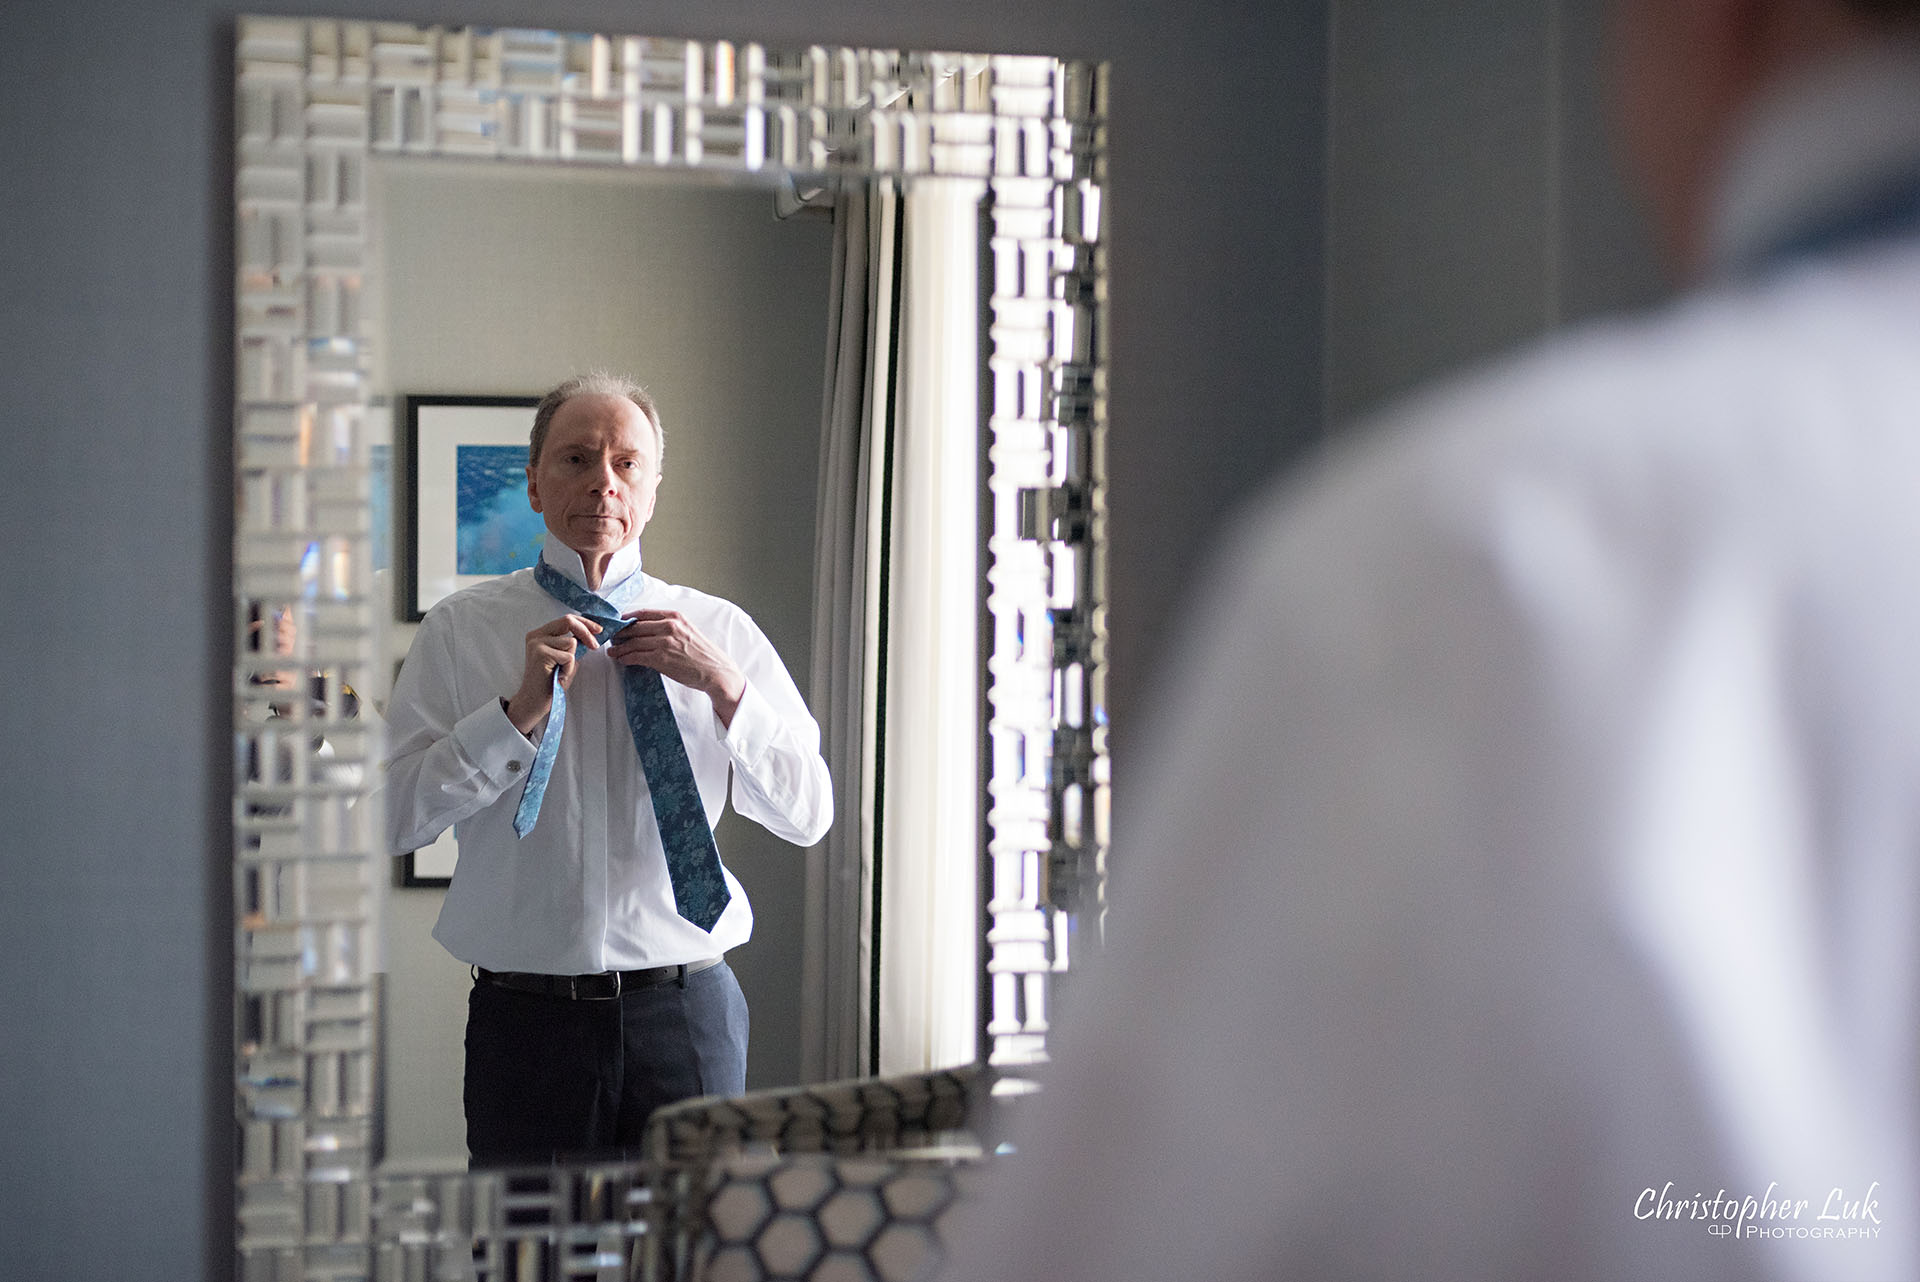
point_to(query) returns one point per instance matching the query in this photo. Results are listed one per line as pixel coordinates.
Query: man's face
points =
(597, 474)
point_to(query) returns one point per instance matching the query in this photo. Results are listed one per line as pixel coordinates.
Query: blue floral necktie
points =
(693, 861)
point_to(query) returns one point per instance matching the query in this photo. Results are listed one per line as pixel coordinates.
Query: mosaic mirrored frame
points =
(317, 100)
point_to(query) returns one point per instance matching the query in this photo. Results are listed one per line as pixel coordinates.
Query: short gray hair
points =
(594, 383)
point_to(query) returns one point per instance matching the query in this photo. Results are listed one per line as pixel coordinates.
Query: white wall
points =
(504, 283)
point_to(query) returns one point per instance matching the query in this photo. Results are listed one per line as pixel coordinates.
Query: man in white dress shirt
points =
(598, 994)
(1524, 879)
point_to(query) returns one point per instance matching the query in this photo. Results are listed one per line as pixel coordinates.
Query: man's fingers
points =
(652, 640)
(652, 652)
(663, 624)
(577, 626)
(568, 625)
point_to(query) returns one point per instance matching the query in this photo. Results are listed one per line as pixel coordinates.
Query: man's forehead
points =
(614, 421)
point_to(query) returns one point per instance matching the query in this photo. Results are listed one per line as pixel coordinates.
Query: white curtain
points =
(845, 692)
(895, 682)
(931, 784)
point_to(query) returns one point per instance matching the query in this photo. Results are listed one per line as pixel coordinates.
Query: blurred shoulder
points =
(1655, 424)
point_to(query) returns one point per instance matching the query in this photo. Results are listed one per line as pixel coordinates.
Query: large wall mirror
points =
(866, 288)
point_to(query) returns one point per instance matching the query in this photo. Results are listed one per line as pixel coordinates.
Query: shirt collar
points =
(1816, 150)
(625, 563)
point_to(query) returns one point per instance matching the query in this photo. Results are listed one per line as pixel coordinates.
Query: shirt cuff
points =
(498, 751)
(752, 732)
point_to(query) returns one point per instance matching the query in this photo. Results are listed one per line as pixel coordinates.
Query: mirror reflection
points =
(499, 281)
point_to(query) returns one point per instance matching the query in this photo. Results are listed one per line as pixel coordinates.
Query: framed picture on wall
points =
(431, 866)
(467, 519)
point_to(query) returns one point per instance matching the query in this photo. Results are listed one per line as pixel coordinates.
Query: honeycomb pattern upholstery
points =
(699, 1148)
(824, 1217)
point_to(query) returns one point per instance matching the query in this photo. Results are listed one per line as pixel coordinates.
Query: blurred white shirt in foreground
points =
(1531, 856)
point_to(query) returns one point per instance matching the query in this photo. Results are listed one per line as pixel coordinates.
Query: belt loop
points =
(683, 975)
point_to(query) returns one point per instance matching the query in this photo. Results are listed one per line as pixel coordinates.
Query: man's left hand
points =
(666, 642)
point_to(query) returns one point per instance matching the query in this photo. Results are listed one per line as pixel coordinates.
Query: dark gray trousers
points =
(551, 1078)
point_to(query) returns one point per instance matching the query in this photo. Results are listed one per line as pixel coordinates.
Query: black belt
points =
(605, 986)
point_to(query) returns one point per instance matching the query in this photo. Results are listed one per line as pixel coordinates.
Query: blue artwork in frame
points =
(495, 531)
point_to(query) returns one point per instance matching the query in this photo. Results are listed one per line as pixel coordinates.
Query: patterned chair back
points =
(826, 1217)
(695, 1150)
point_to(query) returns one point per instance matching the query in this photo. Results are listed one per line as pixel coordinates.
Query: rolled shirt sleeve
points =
(780, 780)
(444, 763)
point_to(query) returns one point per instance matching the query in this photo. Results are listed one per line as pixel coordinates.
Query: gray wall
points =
(1470, 202)
(115, 467)
(506, 279)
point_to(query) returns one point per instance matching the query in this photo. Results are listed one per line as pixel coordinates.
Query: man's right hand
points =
(550, 649)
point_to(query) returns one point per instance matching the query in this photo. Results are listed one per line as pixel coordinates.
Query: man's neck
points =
(594, 569)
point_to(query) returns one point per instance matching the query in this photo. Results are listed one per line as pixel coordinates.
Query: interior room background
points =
(1313, 205)
(720, 308)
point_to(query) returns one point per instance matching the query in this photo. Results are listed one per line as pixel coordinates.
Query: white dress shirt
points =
(1529, 852)
(587, 889)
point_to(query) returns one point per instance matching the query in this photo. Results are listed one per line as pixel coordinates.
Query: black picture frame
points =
(408, 875)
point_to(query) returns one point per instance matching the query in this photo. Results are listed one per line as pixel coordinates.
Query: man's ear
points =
(533, 491)
(653, 494)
